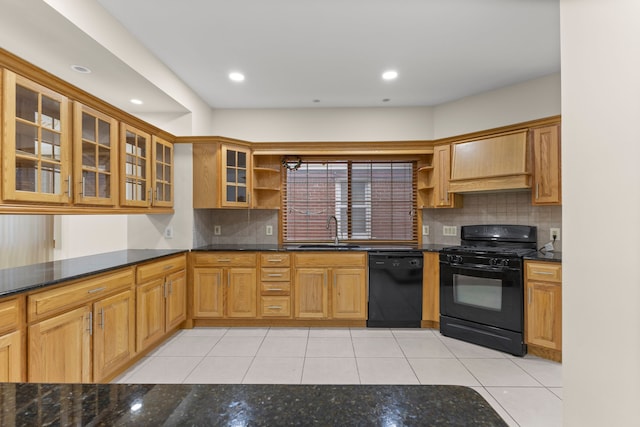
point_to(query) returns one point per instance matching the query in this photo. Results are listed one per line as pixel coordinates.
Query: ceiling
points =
(305, 53)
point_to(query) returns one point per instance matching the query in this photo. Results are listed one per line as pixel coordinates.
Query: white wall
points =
(601, 186)
(324, 124)
(518, 103)
(80, 235)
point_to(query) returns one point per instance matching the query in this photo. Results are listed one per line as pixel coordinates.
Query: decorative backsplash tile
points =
(237, 226)
(493, 208)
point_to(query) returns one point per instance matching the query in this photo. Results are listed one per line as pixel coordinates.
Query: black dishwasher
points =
(395, 289)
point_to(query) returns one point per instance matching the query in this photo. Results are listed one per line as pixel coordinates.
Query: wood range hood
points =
(499, 163)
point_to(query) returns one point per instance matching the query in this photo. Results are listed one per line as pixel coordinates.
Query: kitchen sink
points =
(331, 246)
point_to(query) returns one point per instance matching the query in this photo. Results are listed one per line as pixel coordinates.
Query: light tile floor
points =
(524, 391)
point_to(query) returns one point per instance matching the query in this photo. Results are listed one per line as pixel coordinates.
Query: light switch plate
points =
(217, 230)
(425, 230)
(269, 230)
(449, 230)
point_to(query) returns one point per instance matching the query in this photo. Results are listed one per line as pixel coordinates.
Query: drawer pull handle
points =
(275, 289)
(275, 260)
(96, 290)
(168, 267)
(544, 273)
(274, 307)
(274, 274)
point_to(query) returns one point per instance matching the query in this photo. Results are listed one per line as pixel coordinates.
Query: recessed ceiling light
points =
(386, 100)
(236, 77)
(136, 101)
(390, 75)
(80, 69)
(316, 100)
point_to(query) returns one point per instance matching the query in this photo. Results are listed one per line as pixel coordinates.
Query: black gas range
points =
(482, 286)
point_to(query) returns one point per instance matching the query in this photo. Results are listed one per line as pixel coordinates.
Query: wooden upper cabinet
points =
(162, 172)
(135, 170)
(235, 176)
(35, 142)
(546, 166)
(441, 174)
(95, 159)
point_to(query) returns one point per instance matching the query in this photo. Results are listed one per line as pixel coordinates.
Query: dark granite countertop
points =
(296, 247)
(545, 256)
(246, 405)
(22, 279)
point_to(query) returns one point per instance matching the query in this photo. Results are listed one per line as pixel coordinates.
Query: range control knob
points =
(499, 262)
(454, 259)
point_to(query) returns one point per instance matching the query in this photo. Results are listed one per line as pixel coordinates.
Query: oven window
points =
(477, 292)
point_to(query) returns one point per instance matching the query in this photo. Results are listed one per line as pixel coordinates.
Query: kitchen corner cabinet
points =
(330, 286)
(161, 299)
(224, 285)
(95, 159)
(11, 333)
(82, 331)
(35, 142)
(543, 309)
(135, 167)
(162, 173)
(545, 143)
(222, 175)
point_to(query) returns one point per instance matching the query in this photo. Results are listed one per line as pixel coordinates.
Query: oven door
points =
(491, 296)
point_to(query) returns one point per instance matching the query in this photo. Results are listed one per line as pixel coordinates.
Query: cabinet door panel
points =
(544, 314)
(60, 348)
(207, 293)
(311, 294)
(241, 292)
(150, 313)
(176, 299)
(349, 293)
(546, 159)
(114, 333)
(11, 357)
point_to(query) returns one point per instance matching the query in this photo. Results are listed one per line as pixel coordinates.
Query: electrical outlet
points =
(217, 230)
(269, 230)
(449, 230)
(425, 230)
(554, 232)
(168, 232)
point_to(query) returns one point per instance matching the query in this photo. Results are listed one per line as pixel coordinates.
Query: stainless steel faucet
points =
(335, 241)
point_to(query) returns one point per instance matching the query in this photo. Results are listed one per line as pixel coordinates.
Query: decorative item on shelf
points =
(292, 163)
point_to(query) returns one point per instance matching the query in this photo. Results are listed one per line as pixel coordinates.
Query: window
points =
(371, 200)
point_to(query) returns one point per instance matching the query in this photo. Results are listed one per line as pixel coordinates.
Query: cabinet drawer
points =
(278, 259)
(9, 311)
(276, 306)
(46, 303)
(223, 259)
(275, 274)
(275, 288)
(331, 259)
(545, 271)
(160, 268)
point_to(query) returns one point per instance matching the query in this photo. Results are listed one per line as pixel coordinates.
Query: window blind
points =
(371, 200)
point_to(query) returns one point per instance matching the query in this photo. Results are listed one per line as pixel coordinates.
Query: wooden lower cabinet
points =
(161, 302)
(114, 334)
(241, 292)
(224, 292)
(431, 290)
(60, 348)
(208, 296)
(330, 286)
(11, 357)
(543, 309)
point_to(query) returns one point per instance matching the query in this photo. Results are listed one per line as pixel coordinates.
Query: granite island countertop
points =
(252, 404)
(22, 279)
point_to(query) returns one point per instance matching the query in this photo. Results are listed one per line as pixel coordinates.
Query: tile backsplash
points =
(237, 226)
(493, 208)
(248, 226)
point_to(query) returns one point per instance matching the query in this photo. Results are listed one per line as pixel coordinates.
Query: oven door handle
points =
(476, 267)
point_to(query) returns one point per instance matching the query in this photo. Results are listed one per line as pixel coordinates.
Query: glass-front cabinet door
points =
(36, 142)
(95, 139)
(135, 176)
(162, 172)
(235, 176)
